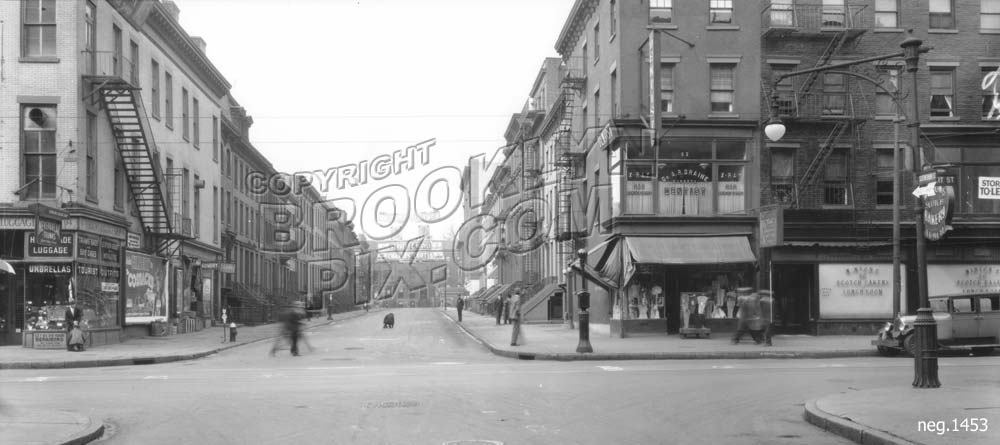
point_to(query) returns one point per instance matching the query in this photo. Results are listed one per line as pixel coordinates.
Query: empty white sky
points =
(336, 82)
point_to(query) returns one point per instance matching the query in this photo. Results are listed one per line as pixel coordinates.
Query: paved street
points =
(426, 381)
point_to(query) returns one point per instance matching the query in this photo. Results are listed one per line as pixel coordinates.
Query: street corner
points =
(48, 426)
(842, 425)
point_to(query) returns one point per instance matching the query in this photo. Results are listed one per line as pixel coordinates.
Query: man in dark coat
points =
(460, 304)
(74, 315)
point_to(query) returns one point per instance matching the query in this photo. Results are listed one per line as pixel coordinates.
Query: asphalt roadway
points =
(428, 382)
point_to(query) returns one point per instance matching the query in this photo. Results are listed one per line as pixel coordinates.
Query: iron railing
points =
(814, 17)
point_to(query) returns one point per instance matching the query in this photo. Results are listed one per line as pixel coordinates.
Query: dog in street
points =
(388, 321)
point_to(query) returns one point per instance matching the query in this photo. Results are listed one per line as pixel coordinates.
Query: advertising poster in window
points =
(685, 189)
(145, 298)
(951, 279)
(857, 290)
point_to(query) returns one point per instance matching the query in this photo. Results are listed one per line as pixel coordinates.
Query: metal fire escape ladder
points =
(831, 48)
(130, 130)
(825, 148)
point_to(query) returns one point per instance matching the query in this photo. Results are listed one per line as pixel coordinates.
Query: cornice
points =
(237, 140)
(573, 28)
(162, 23)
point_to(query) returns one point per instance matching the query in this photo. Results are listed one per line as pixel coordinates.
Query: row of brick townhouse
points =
(649, 132)
(118, 184)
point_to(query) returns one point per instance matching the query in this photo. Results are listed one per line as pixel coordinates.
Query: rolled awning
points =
(690, 250)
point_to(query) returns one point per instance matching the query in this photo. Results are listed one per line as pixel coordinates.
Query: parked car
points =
(968, 321)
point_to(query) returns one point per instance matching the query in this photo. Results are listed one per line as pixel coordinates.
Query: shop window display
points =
(46, 299)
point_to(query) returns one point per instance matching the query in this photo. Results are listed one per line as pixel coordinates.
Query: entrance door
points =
(793, 286)
(556, 306)
(11, 307)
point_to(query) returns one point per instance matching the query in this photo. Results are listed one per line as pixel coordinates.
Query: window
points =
(583, 50)
(942, 92)
(661, 11)
(968, 164)
(667, 87)
(91, 157)
(721, 94)
(785, 90)
(120, 184)
(989, 15)
(614, 94)
(38, 38)
(887, 13)
(834, 14)
(116, 55)
(613, 23)
(185, 195)
(39, 139)
(195, 122)
(597, 42)
(90, 37)
(834, 94)
(884, 166)
(215, 138)
(783, 175)
(782, 13)
(168, 100)
(185, 107)
(197, 207)
(835, 177)
(597, 109)
(991, 101)
(583, 117)
(215, 214)
(133, 64)
(883, 192)
(154, 88)
(884, 104)
(942, 14)
(720, 11)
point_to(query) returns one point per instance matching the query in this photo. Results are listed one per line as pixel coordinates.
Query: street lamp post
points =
(925, 355)
(583, 298)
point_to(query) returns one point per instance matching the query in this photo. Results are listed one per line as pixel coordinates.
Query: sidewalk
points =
(556, 342)
(149, 350)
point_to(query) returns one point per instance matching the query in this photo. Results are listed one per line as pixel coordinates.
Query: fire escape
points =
(566, 158)
(112, 84)
(832, 111)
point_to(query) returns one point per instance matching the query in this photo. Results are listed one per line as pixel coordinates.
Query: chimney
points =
(200, 43)
(172, 9)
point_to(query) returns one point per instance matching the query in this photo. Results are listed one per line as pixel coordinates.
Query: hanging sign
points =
(771, 226)
(938, 210)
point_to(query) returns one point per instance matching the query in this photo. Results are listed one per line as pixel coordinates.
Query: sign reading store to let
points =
(989, 187)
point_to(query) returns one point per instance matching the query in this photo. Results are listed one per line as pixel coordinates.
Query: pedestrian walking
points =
(460, 304)
(72, 318)
(748, 315)
(76, 338)
(515, 317)
(506, 309)
(499, 307)
(767, 315)
(291, 328)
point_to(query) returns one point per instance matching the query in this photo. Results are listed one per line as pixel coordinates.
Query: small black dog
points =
(388, 321)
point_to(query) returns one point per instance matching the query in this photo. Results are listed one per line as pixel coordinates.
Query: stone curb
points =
(147, 360)
(847, 428)
(89, 433)
(717, 355)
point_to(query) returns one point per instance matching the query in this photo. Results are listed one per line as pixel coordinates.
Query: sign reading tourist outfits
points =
(771, 226)
(110, 277)
(64, 248)
(989, 187)
(86, 270)
(88, 247)
(938, 211)
(857, 290)
(951, 279)
(144, 288)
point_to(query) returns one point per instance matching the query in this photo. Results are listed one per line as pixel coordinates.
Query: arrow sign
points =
(926, 190)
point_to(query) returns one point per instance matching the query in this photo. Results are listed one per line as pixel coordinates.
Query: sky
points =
(338, 82)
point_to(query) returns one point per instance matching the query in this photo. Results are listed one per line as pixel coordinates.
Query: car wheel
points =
(910, 344)
(978, 352)
(886, 351)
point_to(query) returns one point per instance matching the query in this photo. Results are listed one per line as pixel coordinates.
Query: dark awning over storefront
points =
(690, 250)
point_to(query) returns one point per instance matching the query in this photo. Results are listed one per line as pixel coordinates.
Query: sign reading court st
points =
(989, 187)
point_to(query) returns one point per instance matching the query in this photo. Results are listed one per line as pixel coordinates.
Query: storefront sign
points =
(134, 241)
(111, 274)
(857, 290)
(96, 227)
(17, 223)
(49, 340)
(110, 250)
(989, 187)
(50, 268)
(48, 233)
(86, 270)
(771, 226)
(951, 279)
(63, 248)
(144, 288)
(938, 211)
(88, 247)
(109, 287)
(221, 267)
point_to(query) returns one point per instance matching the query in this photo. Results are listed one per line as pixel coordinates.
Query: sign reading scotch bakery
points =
(857, 290)
(951, 279)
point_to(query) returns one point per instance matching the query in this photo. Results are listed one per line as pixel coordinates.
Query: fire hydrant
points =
(232, 332)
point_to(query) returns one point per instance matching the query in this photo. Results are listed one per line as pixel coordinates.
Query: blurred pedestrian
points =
(291, 328)
(460, 304)
(747, 314)
(515, 317)
(76, 338)
(767, 315)
(72, 318)
(499, 307)
(506, 309)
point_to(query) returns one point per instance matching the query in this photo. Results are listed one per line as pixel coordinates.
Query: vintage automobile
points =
(969, 321)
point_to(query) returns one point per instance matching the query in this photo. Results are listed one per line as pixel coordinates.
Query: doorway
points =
(793, 288)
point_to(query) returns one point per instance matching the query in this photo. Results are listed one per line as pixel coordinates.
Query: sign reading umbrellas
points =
(144, 288)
